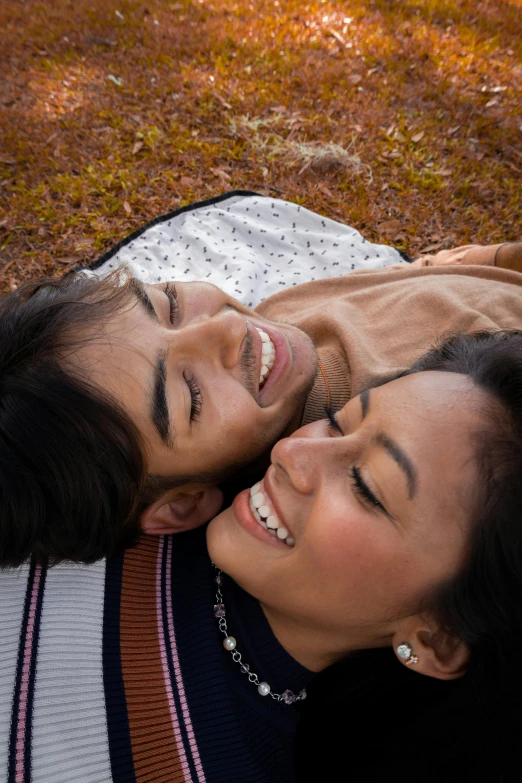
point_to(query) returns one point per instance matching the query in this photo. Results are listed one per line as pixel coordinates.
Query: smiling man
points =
(210, 385)
(125, 405)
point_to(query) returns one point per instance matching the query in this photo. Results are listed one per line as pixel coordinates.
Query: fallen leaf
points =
(222, 174)
(8, 161)
(417, 137)
(338, 37)
(444, 172)
(127, 207)
(452, 131)
(325, 190)
(83, 244)
(355, 78)
(432, 248)
(137, 147)
(492, 102)
(223, 102)
(68, 260)
(186, 182)
(390, 228)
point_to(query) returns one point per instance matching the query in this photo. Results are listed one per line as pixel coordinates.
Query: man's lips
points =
(251, 360)
(281, 362)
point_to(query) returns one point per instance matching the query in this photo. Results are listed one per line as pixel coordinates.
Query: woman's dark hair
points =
(395, 720)
(71, 465)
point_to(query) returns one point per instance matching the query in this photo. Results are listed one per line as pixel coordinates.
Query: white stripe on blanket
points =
(70, 741)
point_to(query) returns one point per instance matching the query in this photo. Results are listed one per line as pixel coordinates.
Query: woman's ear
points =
(178, 510)
(433, 652)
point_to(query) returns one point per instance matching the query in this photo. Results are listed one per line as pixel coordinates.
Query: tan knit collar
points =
(337, 380)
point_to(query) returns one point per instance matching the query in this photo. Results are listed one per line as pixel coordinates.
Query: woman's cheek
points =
(341, 540)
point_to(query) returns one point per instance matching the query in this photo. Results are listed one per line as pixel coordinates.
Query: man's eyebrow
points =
(138, 289)
(393, 449)
(159, 408)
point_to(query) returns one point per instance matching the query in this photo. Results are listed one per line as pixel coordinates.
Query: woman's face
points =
(378, 505)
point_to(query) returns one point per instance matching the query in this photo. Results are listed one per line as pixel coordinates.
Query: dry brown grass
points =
(400, 117)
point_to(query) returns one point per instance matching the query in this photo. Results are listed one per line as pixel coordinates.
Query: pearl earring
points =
(405, 653)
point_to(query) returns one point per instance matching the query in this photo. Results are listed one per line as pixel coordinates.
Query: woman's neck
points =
(318, 648)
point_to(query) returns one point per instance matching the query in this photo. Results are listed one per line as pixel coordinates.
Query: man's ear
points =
(438, 654)
(180, 509)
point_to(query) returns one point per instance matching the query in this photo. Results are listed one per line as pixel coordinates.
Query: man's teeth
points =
(267, 356)
(260, 507)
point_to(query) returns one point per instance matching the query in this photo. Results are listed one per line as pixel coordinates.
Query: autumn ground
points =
(400, 117)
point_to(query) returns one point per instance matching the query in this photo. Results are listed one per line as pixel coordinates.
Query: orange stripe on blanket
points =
(155, 754)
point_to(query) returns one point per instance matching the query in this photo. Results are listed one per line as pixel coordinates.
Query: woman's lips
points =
(267, 515)
(243, 514)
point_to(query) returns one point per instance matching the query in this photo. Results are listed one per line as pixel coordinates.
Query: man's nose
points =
(218, 336)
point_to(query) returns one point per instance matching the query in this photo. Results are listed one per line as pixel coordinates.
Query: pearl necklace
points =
(229, 643)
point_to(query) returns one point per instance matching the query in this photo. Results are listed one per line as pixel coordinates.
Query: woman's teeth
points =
(267, 356)
(265, 515)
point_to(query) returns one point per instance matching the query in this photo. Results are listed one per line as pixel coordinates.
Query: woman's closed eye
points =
(360, 487)
(169, 289)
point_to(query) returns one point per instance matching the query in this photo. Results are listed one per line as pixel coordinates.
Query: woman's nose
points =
(219, 336)
(303, 459)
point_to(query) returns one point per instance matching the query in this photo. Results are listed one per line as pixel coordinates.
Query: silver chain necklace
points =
(229, 643)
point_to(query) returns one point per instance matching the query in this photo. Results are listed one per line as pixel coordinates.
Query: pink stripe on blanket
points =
(20, 770)
(165, 666)
(177, 669)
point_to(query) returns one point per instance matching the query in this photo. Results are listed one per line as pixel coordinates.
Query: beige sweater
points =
(370, 325)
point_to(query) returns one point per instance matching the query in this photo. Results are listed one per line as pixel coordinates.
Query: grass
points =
(370, 111)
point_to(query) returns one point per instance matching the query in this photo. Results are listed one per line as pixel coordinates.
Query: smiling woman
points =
(404, 513)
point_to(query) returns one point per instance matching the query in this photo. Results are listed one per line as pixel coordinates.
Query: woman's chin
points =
(218, 538)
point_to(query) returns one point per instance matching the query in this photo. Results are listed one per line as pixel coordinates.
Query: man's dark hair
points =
(71, 464)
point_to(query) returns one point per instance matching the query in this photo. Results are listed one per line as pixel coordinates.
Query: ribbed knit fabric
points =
(368, 327)
(117, 673)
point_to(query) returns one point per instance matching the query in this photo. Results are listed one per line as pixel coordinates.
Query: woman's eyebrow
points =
(364, 398)
(402, 460)
(393, 449)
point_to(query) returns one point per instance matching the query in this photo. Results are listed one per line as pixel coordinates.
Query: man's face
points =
(185, 364)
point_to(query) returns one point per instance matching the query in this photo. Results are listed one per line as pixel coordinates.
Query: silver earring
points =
(405, 653)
